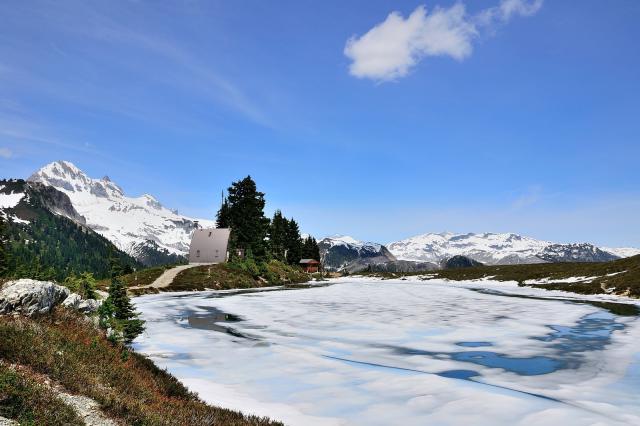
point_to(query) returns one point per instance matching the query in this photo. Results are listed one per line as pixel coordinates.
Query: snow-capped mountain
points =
(344, 253)
(580, 252)
(340, 252)
(133, 224)
(622, 251)
(497, 249)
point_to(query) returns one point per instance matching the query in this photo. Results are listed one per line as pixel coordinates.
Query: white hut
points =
(209, 245)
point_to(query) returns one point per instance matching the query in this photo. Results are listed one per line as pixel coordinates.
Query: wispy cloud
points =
(202, 78)
(27, 131)
(6, 152)
(392, 48)
(105, 42)
(528, 198)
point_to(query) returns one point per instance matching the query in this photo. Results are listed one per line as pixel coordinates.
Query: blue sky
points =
(508, 115)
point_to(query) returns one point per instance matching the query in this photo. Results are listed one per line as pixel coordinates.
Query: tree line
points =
(53, 247)
(261, 238)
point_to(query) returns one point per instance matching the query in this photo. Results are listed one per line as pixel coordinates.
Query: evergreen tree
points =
(87, 285)
(4, 263)
(310, 249)
(293, 243)
(83, 284)
(278, 236)
(245, 205)
(222, 217)
(117, 311)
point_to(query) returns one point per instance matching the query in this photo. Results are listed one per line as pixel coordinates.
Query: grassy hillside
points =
(226, 276)
(29, 402)
(616, 277)
(139, 278)
(68, 350)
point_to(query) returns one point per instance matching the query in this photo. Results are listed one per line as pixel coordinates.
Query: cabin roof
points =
(308, 261)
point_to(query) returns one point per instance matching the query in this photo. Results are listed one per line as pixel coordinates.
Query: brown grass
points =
(226, 276)
(625, 282)
(139, 278)
(67, 348)
(27, 401)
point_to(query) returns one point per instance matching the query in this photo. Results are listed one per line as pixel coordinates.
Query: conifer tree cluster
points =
(4, 264)
(261, 239)
(310, 249)
(52, 247)
(117, 312)
(285, 242)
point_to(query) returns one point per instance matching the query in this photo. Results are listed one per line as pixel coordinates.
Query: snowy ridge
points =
(487, 248)
(622, 251)
(125, 221)
(342, 252)
(496, 249)
(346, 240)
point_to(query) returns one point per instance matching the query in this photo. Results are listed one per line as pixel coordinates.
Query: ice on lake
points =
(373, 352)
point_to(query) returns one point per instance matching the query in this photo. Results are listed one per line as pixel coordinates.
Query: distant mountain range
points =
(433, 251)
(153, 234)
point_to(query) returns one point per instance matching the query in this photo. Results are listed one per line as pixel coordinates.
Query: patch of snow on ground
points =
(16, 219)
(9, 201)
(569, 280)
(372, 352)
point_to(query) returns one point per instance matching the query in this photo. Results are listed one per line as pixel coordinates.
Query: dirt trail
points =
(168, 276)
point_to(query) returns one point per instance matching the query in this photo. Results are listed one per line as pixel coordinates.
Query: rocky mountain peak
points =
(126, 221)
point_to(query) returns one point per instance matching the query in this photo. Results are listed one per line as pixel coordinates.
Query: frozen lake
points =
(374, 352)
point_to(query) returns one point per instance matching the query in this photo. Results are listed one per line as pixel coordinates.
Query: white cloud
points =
(508, 8)
(5, 152)
(390, 49)
(530, 197)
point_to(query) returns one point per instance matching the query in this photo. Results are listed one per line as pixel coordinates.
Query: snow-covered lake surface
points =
(372, 352)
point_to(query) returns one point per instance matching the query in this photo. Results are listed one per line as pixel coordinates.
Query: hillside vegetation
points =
(68, 350)
(620, 277)
(233, 275)
(51, 246)
(137, 278)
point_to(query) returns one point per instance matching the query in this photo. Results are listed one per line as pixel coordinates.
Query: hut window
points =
(198, 253)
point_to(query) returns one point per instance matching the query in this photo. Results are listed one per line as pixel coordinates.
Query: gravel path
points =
(168, 276)
(87, 409)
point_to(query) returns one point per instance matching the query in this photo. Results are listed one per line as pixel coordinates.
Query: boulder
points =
(8, 422)
(31, 297)
(86, 306)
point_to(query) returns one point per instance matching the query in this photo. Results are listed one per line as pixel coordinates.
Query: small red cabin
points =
(310, 265)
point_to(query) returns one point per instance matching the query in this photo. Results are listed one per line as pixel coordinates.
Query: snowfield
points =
(371, 352)
(9, 201)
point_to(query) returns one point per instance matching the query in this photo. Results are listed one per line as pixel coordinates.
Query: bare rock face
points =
(7, 422)
(31, 297)
(85, 306)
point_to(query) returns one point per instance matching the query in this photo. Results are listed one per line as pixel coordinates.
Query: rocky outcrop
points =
(86, 306)
(457, 262)
(31, 297)
(344, 253)
(581, 252)
(7, 422)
